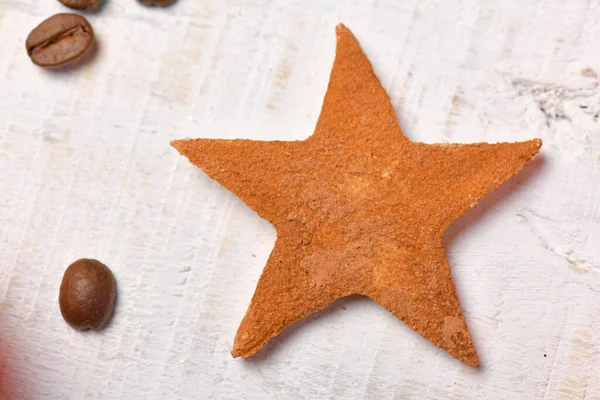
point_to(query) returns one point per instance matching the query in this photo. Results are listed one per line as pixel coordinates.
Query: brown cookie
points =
(358, 209)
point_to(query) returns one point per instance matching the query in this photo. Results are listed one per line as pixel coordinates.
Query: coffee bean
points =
(81, 4)
(87, 294)
(60, 40)
(158, 3)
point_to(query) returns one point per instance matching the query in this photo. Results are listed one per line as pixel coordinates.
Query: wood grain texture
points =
(86, 171)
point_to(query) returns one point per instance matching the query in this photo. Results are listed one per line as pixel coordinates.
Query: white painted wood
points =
(86, 171)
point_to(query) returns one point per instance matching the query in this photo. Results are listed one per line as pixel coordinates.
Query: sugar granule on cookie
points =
(358, 209)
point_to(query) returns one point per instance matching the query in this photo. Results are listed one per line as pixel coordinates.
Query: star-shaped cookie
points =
(358, 209)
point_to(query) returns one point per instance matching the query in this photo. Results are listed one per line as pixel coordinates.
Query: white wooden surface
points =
(86, 171)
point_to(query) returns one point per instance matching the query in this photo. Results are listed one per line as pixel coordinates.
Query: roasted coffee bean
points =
(60, 40)
(87, 294)
(81, 4)
(158, 3)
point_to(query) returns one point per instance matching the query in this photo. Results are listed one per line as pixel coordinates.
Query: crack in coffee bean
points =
(55, 39)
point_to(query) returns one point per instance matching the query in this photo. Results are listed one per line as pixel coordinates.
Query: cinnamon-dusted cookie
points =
(358, 209)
